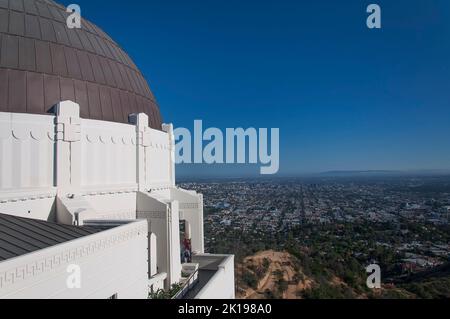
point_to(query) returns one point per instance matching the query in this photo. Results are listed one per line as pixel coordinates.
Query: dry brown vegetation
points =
(277, 275)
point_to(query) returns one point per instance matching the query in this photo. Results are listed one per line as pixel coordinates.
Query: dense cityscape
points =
(331, 228)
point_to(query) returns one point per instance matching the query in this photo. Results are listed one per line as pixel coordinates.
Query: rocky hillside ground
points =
(271, 274)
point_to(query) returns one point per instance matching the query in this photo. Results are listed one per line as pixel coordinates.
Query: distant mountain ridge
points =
(385, 172)
(335, 173)
(360, 172)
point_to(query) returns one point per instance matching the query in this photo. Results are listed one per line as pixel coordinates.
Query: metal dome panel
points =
(43, 62)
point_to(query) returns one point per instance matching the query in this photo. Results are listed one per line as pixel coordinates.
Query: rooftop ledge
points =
(215, 277)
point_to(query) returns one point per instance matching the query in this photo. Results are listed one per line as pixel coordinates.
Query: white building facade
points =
(89, 207)
(72, 171)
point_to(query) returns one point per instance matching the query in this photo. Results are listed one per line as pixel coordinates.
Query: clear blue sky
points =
(344, 97)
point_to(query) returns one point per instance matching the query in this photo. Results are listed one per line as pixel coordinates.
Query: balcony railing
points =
(190, 283)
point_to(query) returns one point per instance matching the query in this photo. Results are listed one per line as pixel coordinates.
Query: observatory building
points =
(89, 207)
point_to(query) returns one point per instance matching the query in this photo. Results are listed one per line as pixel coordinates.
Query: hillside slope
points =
(271, 274)
(280, 275)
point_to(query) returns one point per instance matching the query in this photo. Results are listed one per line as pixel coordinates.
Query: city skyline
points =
(344, 97)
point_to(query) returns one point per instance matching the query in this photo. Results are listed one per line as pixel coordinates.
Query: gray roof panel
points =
(20, 236)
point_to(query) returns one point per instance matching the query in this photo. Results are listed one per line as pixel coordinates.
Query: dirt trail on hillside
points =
(279, 262)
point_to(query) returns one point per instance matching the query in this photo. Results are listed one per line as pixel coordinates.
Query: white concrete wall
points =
(113, 206)
(101, 154)
(156, 283)
(44, 156)
(41, 207)
(108, 153)
(26, 151)
(112, 262)
(191, 210)
(221, 285)
(163, 222)
(158, 160)
(174, 247)
(155, 154)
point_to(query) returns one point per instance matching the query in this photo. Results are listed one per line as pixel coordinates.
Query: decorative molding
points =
(152, 214)
(189, 206)
(68, 129)
(22, 134)
(21, 196)
(157, 188)
(66, 256)
(125, 215)
(159, 146)
(108, 139)
(101, 191)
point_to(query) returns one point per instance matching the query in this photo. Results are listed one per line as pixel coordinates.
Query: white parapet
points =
(110, 263)
(221, 284)
(26, 153)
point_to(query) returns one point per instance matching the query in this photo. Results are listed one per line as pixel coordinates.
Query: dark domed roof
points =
(43, 62)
